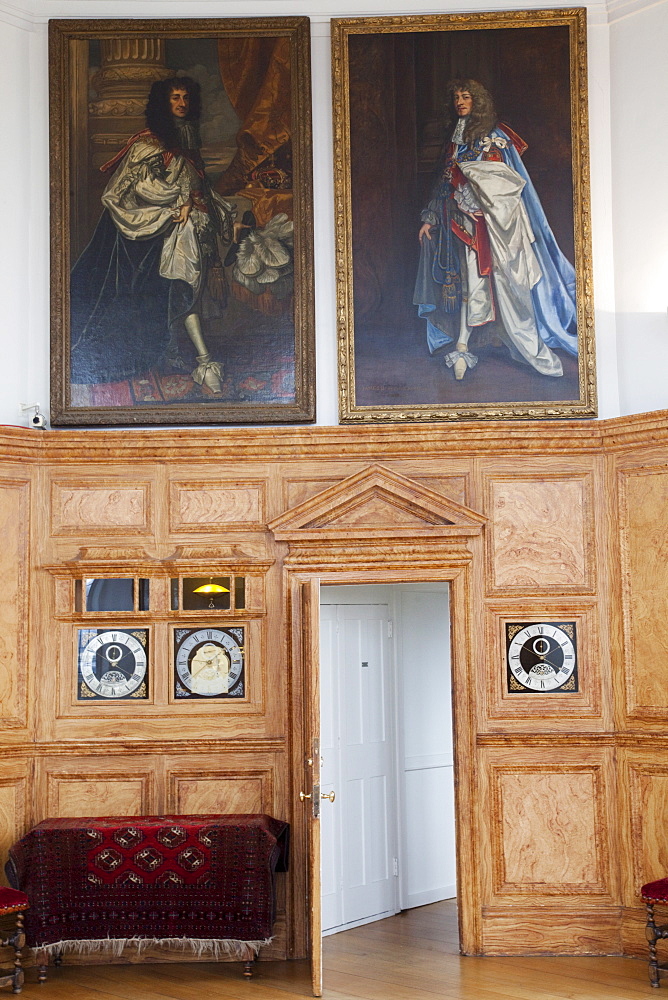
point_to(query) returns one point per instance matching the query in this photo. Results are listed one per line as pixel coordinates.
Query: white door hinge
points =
(395, 867)
(390, 628)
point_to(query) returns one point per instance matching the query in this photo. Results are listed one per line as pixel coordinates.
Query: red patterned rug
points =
(156, 878)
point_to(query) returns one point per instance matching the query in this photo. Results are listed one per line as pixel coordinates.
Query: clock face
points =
(541, 656)
(112, 663)
(209, 662)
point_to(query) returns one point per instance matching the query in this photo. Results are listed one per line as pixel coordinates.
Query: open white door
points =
(359, 835)
(310, 795)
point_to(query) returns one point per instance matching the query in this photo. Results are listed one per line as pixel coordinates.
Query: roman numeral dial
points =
(541, 656)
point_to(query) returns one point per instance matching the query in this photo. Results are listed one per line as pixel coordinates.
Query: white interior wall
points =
(639, 85)
(427, 759)
(631, 212)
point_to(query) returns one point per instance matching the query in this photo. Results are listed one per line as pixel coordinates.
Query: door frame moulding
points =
(379, 527)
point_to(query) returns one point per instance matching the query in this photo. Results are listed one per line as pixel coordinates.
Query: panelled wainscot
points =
(552, 537)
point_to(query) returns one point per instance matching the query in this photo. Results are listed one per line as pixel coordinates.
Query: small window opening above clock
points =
(207, 593)
(116, 594)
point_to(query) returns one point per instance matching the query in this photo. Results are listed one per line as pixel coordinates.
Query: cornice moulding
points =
(21, 445)
(18, 17)
(620, 10)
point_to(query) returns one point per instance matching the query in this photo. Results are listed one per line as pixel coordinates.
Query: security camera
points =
(37, 419)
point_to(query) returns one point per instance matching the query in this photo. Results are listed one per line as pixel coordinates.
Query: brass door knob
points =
(328, 795)
(303, 796)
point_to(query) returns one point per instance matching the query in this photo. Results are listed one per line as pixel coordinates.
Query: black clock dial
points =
(541, 656)
(209, 662)
(112, 663)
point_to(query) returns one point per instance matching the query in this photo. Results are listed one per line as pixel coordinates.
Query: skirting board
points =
(543, 930)
(429, 896)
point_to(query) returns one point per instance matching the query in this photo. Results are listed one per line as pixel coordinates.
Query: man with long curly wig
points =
(152, 268)
(489, 264)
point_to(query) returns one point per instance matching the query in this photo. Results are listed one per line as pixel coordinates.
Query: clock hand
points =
(116, 664)
(530, 659)
(555, 666)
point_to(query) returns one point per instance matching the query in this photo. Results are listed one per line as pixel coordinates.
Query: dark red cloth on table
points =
(150, 876)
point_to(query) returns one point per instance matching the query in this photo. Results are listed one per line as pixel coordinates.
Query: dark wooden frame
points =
(361, 127)
(67, 92)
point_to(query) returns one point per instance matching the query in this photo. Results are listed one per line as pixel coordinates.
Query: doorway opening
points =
(388, 839)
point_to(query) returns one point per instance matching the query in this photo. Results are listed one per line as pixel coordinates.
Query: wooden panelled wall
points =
(563, 801)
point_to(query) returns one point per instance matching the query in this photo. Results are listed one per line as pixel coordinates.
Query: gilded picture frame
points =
(181, 221)
(463, 249)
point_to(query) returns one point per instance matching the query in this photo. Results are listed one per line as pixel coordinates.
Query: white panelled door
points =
(359, 836)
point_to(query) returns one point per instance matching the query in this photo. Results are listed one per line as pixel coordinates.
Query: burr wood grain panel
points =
(541, 537)
(553, 930)
(643, 496)
(547, 828)
(199, 506)
(14, 635)
(97, 787)
(222, 792)
(13, 813)
(95, 507)
(648, 793)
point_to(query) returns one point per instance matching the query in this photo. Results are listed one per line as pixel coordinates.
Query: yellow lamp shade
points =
(211, 588)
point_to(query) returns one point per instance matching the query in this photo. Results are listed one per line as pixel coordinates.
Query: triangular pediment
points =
(374, 503)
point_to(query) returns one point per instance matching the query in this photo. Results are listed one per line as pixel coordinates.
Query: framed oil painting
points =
(181, 221)
(462, 212)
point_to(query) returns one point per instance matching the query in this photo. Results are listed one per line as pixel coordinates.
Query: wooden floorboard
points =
(412, 956)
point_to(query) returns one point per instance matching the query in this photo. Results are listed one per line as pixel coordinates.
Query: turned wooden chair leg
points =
(652, 938)
(248, 968)
(18, 941)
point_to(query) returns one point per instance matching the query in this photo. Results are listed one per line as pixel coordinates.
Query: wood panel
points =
(95, 507)
(14, 808)
(296, 491)
(538, 821)
(648, 794)
(548, 820)
(223, 792)
(96, 786)
(643, 501)
(551, 930)
(541, 538)
(14, 636)
(197, 506)
(225, 782)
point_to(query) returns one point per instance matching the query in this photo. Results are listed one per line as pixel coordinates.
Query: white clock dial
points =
(209, 661)
(113, 664)
(541, 656)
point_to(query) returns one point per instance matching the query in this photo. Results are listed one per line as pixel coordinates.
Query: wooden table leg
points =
(42, 963)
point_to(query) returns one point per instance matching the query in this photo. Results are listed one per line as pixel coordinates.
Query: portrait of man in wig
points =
(490, 268)
(153, 267)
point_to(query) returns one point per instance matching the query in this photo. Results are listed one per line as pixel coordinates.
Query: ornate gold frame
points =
(350, 410)
(69, 121)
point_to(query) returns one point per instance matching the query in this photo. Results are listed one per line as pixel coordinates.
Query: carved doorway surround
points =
(378, 526)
